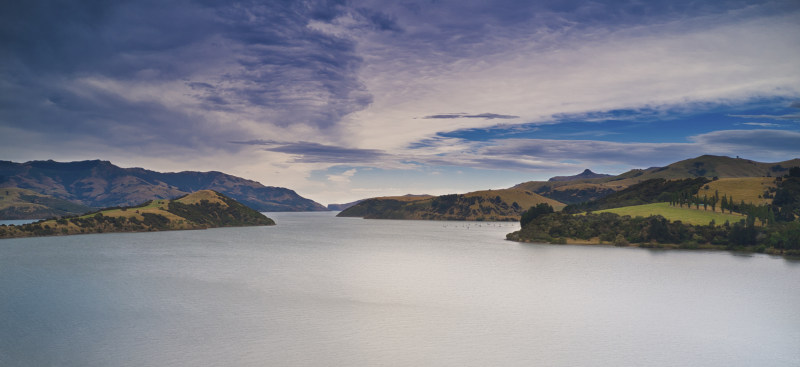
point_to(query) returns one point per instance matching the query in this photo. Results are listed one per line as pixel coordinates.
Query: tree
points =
(535, 212)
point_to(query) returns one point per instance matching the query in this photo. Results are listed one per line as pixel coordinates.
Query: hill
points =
(101, 184)
(490, 205)
(407, 197)
(580, 189)
(18, 203)
(647, 192)
(751, 190)
(339, 207)
(688, 215)
(586, 174)
(199, 210)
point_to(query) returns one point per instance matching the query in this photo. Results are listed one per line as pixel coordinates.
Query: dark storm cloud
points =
(230, 57)
(308, 152)
(488, 116)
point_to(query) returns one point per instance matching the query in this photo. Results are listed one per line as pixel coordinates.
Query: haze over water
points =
(318, 290)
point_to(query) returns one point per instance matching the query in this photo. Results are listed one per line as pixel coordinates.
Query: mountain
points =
(581, 189)
(586, 174)
(199, 210)
(340, 207)
(489, 205)
(16, 203)
(101, 184)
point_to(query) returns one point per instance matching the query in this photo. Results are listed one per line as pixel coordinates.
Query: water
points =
(317, 290)
(17, 222)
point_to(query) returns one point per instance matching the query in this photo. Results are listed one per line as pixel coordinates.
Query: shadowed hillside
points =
(489, 205)
(102, 184)
(18, 203)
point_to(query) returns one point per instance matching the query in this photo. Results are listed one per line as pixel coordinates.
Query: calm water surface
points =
(322, 291)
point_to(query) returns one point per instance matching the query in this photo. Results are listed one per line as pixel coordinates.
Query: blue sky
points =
(342, 100)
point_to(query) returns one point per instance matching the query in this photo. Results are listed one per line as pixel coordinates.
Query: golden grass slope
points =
(206, 209)
(486, 205)
(748, 189)
(523, 198)
(16, 203)
(674, 213)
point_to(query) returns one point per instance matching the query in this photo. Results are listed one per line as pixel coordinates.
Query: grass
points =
(523, 198)
(744, 188)
(407, 198)
(685, 215)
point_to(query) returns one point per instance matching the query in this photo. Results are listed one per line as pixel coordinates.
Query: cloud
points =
(752, 142)
(551, 154)
(488, 116)
(308, 152)
(774, 117)
(762, 124)
(191, 75)
(344, 177)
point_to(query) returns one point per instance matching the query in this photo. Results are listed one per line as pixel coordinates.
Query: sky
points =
(343, 100)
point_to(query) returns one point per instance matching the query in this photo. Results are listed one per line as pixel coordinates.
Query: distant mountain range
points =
(99, 184)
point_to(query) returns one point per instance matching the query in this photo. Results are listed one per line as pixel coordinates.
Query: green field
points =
(673, 213)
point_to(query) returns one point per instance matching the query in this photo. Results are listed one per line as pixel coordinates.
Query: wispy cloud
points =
(309, 152)
(773, 117)
(488, 116)
(761, 124)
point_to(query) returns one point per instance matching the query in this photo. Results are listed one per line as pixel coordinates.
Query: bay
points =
(318, 290)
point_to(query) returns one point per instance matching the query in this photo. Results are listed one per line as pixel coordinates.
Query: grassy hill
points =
(199, 210)
(751, 190)
(709, 166)
(18, 203)
(489, 205)
(650, 191)
(674, 213)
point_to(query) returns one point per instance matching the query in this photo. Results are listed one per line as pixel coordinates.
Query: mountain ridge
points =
(586, 189)
(98, 183)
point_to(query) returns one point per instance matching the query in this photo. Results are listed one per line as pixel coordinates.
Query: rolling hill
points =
(18, 203)
(199, 210)
(579, 189)
(489, 205)
(102, 184)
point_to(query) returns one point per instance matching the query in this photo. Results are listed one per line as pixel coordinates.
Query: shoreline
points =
(661, 246)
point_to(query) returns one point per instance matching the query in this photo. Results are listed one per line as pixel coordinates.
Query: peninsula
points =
(199, 210)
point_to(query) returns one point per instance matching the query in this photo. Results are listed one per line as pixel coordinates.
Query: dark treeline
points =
(656, 231)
